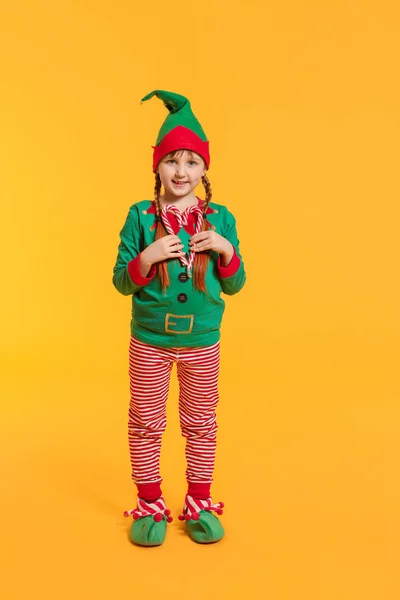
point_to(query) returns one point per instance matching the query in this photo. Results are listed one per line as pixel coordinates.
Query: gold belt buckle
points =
(168, 322)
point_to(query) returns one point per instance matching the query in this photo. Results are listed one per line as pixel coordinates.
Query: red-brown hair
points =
(201, 259)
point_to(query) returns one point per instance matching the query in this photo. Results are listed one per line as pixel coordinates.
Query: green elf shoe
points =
(202, 526)
(149, 527)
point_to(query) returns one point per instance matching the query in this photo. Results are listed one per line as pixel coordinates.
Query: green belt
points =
(171, 323)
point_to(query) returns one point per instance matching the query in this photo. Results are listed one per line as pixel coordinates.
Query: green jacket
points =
(183, 316)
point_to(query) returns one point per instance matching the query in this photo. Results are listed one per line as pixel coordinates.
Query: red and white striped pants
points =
(150, 371)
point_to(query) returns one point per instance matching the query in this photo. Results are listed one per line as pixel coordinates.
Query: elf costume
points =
(178, 325)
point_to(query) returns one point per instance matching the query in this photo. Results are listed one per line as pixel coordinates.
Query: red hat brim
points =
(181, 138)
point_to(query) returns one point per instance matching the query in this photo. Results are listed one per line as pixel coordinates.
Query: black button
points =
(183, 277)
(182, 297)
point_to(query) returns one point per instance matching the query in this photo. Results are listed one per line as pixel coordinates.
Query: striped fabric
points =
(193, 506)
(155, 509)
(182, 219)
(150, 370)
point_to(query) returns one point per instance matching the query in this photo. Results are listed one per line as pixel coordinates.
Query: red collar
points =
(152, 209)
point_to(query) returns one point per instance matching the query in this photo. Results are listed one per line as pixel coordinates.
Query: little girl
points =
(176, 255)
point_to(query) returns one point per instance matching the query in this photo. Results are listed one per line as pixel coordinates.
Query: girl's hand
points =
(168, 246)
(210, 240)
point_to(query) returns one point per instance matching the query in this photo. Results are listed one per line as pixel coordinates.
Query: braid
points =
(202, 259)
(157, 189)
(207, 186)
(162, 267)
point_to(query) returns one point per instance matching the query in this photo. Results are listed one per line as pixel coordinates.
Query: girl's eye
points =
(192, 162)
(171, 160)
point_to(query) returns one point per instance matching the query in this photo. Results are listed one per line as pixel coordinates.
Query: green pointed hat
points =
(180, 130)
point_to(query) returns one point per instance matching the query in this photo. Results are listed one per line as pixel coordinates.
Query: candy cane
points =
(183, 219)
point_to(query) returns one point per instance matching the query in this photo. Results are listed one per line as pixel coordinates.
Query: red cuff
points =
(135, 274)
(149, 491)
(231, 268)
(199, 491)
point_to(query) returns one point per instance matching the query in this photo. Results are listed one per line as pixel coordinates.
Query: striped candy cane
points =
(182, 220)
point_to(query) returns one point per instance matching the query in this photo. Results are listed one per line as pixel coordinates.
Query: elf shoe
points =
(149, 526)
(202, 526)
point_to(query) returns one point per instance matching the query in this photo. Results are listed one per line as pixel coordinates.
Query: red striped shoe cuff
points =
(157, 510)
(193, 506)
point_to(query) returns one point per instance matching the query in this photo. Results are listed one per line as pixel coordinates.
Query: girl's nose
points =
(180, 170)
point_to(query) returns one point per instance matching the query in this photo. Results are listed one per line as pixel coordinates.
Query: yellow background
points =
(300, 101)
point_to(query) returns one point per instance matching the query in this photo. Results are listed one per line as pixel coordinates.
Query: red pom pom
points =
(167, 512)
(169, 519)
(219, 511)
(126, 514)
(221, 504)
(181, 518)
(187, 517)
(195, 516)
(158, 517)
(135, 516)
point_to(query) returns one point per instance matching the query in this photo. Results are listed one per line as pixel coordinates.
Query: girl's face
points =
(181, 172)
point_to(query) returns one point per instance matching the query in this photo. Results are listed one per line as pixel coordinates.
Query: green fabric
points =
(206, 530)
(150, 306)
(146, 532)
(180, 113)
